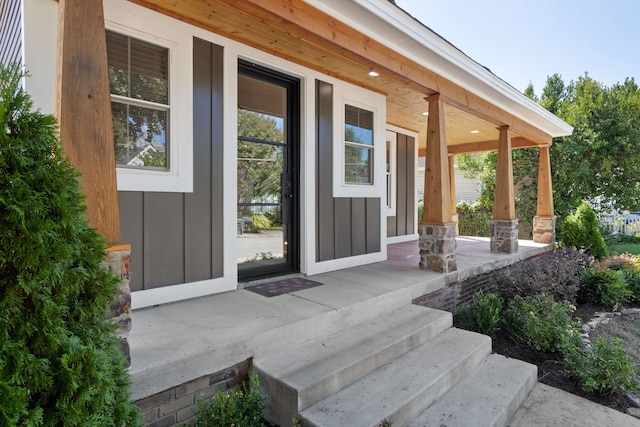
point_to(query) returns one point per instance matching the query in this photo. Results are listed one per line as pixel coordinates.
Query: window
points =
(139, 86)
(358, 150)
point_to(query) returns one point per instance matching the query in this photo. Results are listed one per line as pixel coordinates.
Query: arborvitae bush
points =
(581, 230)
(59, 358)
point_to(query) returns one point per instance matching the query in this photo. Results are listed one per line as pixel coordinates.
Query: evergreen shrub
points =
(601, 285)
(244, 407)
(604, 367)
(581, 230)
(542, 323)
(473, 219)
(483, 315)
(59, 357)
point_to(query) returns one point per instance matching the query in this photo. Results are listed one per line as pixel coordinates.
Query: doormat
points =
(281, 287)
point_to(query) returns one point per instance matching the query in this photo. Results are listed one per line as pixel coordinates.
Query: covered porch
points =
(180, 344)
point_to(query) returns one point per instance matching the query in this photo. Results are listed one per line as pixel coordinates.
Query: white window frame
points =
(392, 173)
(346, 94)
(135, 22)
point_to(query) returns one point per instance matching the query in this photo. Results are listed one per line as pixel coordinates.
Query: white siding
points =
(466, 189)
(11, 31)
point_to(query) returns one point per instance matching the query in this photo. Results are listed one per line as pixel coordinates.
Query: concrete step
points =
(404, 387)
(488, 397)
(296, 380)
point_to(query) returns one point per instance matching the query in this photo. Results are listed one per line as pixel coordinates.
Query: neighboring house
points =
(467, 189)
(291, 102)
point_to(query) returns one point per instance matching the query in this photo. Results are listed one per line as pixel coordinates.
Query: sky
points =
(524, 41)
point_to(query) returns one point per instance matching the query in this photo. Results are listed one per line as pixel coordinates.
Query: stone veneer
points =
(118, 260)
(177, 405)
(544, 229)
(438, 247)
(503, 235)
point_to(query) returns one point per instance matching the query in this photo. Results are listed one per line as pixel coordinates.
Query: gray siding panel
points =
(412, 208)
(406, 210)
(131, 228)
(401, 184)
(358, 226)
(373, 225)
(164, 242)
(345, 226)
(178, 237)
(324, 203)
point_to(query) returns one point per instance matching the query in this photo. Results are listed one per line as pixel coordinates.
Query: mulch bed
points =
(552, 370)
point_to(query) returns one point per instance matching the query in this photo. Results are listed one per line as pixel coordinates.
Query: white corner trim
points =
(342, 263)
(402, 239)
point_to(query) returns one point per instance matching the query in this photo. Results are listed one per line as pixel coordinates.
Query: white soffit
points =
(388, 24)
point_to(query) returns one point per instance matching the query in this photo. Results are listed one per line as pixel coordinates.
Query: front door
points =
(268, 172)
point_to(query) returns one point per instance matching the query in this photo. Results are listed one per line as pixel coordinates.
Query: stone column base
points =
(455, 219)
(119, 261)
(544, 229)
(503, 235)
(438, 247)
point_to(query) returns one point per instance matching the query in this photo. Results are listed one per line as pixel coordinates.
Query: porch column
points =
(83, 110)
(452, 187)
(437, 231)
(503, 229)
(544, 223)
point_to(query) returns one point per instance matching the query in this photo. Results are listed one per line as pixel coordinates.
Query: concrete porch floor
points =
(179, 342)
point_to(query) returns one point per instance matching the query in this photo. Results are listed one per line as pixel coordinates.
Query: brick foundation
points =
(458, 294)
(503, 236)
(178, 404)
(438, 247)
(544, 229)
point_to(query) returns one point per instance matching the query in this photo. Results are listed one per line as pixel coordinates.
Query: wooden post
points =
(544, 223)
(437, 191)
(83, 109)
(452, 185)
(437, 232)
(545, 191)
(504, 207)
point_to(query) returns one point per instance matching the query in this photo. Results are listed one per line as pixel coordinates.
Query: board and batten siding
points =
(345, 226)
(178, 237)
(11, 32)
(403, 223)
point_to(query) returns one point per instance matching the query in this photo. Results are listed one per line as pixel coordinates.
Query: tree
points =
(59, 357)
(600, 159)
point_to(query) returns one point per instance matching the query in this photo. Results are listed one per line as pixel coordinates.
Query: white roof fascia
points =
(388, 24)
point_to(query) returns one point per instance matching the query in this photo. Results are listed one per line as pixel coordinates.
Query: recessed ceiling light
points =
(475, 131)
(426, 113)
(373, 73)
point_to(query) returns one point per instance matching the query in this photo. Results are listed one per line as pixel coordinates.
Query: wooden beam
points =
(475, 147)
(437, 192)
(504, 203)
(298, 21)
(83, 109)
(545, 191)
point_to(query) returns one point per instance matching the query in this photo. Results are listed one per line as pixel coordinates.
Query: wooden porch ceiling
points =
(295, 31)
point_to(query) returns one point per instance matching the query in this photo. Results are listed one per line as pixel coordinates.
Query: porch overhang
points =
(347, 39)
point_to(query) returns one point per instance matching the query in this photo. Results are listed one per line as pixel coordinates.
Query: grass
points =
(622, 248)
(627, 328)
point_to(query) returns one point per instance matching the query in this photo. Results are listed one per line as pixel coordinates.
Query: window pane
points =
(259, 126)
(138, 69)
(259, 172)
(358, 125)
(357, 167)
(140, 136)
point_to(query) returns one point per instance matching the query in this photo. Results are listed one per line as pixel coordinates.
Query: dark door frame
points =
(291, 196)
